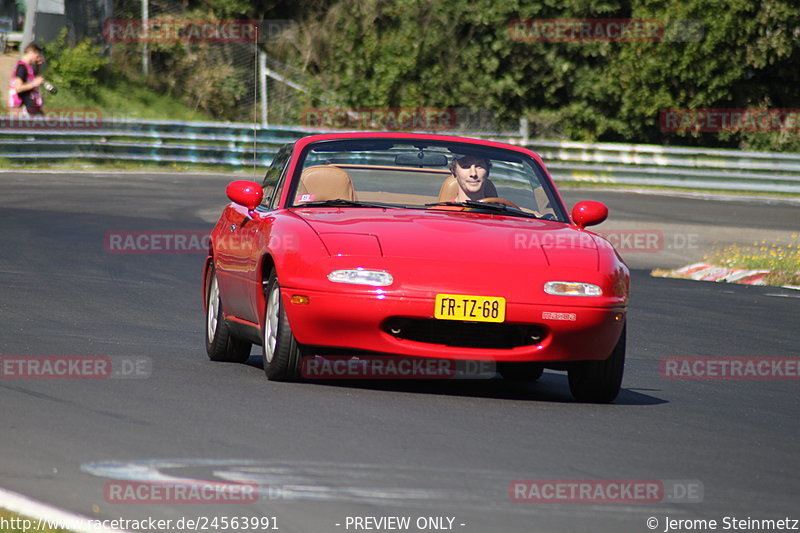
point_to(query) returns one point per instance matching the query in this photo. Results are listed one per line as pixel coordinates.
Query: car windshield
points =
(423, 174)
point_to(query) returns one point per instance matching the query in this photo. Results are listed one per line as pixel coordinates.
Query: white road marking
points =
(42, 514)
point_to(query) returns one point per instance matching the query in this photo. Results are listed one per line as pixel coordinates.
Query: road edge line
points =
(30, 508)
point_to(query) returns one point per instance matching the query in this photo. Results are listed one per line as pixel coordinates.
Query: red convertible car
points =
(420, 246)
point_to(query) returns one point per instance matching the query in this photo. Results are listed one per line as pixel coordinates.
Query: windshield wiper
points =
(488, 206)
(341, 202)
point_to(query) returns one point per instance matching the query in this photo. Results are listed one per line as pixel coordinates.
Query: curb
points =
(709, 272)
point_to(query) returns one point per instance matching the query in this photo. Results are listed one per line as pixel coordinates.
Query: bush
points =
(76, 68)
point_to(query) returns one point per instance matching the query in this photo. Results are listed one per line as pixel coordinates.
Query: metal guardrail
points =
(237, 144)
(692, 168)
(137, 140)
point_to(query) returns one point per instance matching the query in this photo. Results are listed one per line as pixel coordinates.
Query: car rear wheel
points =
(221, 345)
(281, 350)
(599, 381)
(520, 371)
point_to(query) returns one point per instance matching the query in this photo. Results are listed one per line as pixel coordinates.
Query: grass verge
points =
(782, 259)
(123, 98)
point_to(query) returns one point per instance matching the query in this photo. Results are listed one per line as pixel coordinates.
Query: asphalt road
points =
(322, 452)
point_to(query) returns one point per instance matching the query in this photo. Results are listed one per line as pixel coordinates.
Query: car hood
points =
(446, 237)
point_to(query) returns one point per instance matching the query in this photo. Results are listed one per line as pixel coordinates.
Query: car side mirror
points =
(245, 193)
(589, 213)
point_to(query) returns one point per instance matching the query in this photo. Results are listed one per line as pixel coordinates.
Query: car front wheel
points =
(280, 348)
(599, 381)
(221, 345)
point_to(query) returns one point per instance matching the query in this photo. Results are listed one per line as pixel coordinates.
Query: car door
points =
(237, 253)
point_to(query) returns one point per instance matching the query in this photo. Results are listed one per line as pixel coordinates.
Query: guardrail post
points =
(524, 130)
(262, 82)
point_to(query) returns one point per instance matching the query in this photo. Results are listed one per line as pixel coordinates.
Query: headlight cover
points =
(572, 288)
(360, 276)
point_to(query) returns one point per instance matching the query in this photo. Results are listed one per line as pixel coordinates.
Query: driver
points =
(471, 173)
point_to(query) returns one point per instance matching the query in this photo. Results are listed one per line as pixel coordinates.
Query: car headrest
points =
(449, 189)
(326, 182)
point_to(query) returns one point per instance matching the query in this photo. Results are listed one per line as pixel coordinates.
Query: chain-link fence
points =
(288, 93)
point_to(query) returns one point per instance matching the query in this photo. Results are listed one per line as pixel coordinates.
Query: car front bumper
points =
(359, 322)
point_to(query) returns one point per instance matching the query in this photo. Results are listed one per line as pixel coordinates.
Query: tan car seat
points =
(325, 182)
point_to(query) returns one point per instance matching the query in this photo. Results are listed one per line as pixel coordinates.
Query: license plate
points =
(466, 307)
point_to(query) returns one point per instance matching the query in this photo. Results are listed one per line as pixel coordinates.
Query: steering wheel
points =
(501, 201)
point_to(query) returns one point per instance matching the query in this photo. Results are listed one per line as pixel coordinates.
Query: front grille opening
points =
(464, 334)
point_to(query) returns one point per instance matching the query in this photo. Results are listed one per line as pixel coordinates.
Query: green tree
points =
(715, 53)
(746, 56)
(463, 54)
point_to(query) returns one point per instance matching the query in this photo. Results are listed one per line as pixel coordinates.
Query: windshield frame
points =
(454, 145)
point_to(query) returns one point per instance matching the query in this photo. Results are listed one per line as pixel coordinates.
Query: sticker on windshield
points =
(303, 198)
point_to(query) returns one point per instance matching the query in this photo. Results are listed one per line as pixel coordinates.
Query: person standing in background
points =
(25, 82)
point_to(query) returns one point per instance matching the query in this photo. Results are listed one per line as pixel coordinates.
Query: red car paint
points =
(427, 252)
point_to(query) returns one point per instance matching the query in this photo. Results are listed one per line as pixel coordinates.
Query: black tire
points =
(281, 350)
(520, 371)
(599, 381)
(221, 344)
